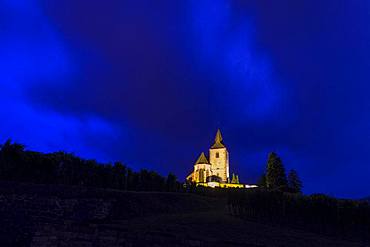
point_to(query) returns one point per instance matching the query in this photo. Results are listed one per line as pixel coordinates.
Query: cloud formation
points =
(148, 83)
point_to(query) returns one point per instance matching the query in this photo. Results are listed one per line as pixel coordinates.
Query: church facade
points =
(215, 171)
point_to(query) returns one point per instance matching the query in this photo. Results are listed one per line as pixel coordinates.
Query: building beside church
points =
(215, 171)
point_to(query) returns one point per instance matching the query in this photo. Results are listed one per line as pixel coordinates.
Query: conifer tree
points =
(171, 182)
(262, 181)
(294, 182)
(275, 174)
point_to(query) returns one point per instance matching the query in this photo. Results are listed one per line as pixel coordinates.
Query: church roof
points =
(218, 140)
(202, 159)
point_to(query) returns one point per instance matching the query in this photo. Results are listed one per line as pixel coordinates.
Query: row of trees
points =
(275, 177)
(271, 203)
(317, 213)
(16, 164)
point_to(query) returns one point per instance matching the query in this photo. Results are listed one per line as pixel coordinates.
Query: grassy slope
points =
(170, 217)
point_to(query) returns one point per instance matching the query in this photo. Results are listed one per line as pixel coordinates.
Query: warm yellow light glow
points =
(247, 186)
(213, 184)
(216, 169)
(226, 185)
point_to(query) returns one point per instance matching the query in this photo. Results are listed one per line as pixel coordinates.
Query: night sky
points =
(149, 83)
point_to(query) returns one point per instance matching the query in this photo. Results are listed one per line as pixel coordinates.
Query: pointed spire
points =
(202, 159)
(218, 140)
(233, 179)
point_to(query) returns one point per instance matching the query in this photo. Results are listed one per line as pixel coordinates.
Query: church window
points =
(217, 155)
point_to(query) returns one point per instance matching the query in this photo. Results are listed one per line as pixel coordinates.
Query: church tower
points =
(219, 158)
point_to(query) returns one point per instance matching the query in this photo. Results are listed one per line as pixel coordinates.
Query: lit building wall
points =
(201, 172)
(219, 159)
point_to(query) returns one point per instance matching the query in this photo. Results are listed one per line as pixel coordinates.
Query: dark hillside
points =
(59, 199)
(56, 215)
(318, 213)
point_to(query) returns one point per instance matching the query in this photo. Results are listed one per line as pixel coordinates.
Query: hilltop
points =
(59, 199)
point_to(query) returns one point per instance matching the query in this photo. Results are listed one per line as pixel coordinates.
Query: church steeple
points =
(218, 140)
(218, 136)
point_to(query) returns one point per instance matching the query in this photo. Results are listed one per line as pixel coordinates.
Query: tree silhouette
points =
(317, 213)
(294, 182)
(262, 181)
(171, 182)
(17, 164)
(275, 174)
(14, 163)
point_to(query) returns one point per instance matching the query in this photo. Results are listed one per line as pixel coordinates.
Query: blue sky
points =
(148, 83)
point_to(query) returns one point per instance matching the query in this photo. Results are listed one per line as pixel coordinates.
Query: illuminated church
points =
(215, 171)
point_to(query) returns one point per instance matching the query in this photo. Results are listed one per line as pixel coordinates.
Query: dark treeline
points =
(317, 213)
(278, 200)
(16, 164)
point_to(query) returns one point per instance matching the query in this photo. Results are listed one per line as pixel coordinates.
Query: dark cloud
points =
(149, 83)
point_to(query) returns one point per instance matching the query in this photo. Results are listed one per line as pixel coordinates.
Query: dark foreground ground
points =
(40, 215)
